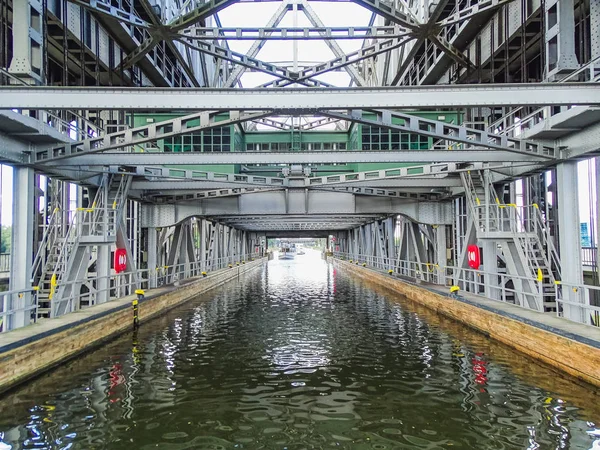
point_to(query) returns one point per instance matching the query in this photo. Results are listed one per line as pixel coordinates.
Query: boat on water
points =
(300, 250)
(287, 251)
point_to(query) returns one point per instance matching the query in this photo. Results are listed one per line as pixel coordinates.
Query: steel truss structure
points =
(409, 190)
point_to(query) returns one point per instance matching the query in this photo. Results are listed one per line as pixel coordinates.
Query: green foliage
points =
(5, 240)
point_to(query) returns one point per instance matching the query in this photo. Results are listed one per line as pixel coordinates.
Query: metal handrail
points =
(473, 281)
(496, 124)
(64, 123)
(46, 241)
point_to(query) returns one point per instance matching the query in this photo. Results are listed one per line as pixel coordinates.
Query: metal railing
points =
(519, 119)
(117, 286)
(516, 290)
(54, 119)
(579, 298)
(21, 302)
(588, 256)
(4, 262)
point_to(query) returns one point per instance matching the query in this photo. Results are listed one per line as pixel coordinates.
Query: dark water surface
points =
(300, 356)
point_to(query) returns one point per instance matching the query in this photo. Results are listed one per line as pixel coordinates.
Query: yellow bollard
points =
(135, 305)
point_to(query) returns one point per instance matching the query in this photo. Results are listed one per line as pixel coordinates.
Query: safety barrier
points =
(503, 287)
(117, 286)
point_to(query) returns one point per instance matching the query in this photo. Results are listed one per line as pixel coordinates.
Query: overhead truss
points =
(298, 100)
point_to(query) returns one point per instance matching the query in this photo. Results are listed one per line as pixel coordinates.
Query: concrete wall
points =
(568, 355)
(28, 351)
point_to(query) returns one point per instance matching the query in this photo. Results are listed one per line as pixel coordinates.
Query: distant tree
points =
(5, 239)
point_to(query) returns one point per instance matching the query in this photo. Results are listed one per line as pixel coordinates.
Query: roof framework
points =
(299, 90)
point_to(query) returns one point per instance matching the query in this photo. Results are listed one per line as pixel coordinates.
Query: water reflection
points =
(301, 356)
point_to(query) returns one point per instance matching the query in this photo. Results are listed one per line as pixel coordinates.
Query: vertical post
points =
(27, 39)
(22, 244)
(595, 32)
(152, 253)
(202, 225)
(490, 265)
(560, 37)
(102, 273)
(441, 260)
(570, 237)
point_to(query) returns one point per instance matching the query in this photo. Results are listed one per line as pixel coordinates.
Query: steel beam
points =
(333, 45)
(390, 12)
(140, 135)
(238, 71)
(420, 184)
(337, 157)
(444, 132)
(319, 32)
(296, 202)
(243, 60)
(204, 10)
(299, 99)
(113, 12)
(342, 61)
(467, 13)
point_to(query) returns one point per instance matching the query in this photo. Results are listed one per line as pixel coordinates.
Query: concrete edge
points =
(586, 371)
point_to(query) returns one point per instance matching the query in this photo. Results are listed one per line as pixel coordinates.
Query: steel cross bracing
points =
(299, 100)
(402, 16)
(223, 53)
(179, 23)
(255, 48)
(178, 55)
(292, 157)
(445, 133)
(140, 135)
(107, 9)
(289, 33)
(297, 222)
(308, 125)
(361, 54)
(213, 193)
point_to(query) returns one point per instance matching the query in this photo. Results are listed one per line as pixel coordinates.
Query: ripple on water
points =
(300, 356)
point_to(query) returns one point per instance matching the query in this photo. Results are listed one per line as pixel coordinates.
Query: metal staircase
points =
(61, 264)
(523, 236)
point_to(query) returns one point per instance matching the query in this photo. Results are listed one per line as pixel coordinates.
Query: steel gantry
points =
(296, 100)
(458, 126)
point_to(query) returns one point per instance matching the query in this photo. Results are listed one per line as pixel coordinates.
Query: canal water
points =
(301, 356)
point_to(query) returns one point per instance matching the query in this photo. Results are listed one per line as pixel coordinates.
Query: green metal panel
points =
(359, 137)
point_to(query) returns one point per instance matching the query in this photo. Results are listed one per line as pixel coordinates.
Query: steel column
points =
(152, 249)
(560, 37)
(441, 253)
(570, 237)
(22, 244)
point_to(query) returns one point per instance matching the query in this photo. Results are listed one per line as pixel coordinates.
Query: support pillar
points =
(22, 245)
(152, 256)
(28, 41)
(570, 238)
(202, 226)
(103, 274)
(440, 258)
(595, 33)
(560, 37)
(490, 266)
